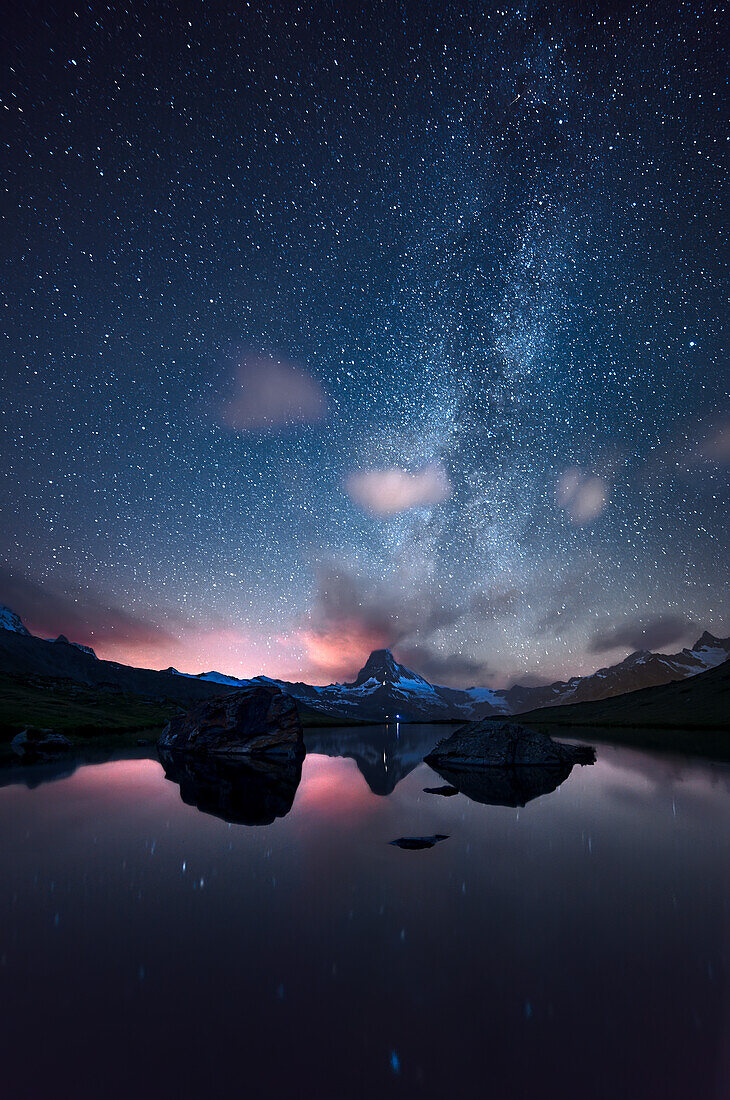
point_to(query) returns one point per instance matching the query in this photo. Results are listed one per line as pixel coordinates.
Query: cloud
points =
(692, 451)
(380, 609)
(389, 491)
(270, 393)
(341, 650)
(583, 496)
(636, 634)
(529, 680)
(451, 669)
(564, 600)
(389, 613)
(353, 615)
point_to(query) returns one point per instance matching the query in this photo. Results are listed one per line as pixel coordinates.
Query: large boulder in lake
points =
(489, 744)
(255, 721)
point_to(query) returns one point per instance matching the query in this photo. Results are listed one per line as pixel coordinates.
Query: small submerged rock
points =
(254, 721)
(447, 790)
(489, 744)
(416, 843)
(39, 743)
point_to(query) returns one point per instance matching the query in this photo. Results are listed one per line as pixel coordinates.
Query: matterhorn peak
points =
(381, 665)
(382, 657)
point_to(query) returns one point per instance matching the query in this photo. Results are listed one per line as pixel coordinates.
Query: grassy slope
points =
(74, 709)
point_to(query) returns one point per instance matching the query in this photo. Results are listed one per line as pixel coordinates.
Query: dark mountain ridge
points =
(703, 703)
(22, 655)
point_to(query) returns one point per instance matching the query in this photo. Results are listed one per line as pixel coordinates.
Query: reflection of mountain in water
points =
(384, 754)
(251, 793)
(506, 786)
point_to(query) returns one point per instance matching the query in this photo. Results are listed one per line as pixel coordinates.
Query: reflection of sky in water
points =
(571, 947)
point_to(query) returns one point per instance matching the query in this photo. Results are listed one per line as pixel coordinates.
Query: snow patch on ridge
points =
(10, 621)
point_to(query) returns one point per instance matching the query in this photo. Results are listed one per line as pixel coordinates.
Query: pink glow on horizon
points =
(334, 653)
(303, 654)
(230, 652)
(315, 657)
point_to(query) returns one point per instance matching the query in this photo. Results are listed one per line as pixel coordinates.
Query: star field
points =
(327, 328)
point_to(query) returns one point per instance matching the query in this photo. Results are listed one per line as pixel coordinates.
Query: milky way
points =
(326, 329)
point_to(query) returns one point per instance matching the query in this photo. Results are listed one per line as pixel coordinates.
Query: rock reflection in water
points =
(252, 793)
(506, 786)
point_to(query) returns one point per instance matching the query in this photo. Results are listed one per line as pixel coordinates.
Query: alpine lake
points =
(177, 931)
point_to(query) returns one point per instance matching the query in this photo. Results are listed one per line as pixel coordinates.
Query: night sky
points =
(333, 326)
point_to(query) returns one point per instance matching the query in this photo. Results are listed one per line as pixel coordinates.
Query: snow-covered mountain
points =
(382, 690)
(10, 621)
(639, 670)
(386, 690)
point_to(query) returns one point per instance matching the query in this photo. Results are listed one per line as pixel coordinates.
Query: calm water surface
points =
(576, 946)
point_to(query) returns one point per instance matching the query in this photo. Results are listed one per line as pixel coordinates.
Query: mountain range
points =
(387, 690)
(383, 689)
(704, 703)
(25, 657)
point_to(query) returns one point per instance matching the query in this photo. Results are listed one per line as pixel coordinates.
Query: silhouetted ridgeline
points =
(702, 702)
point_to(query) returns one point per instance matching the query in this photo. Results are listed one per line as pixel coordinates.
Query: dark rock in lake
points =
(447, 791)
(253, 721)
(39, 743)
(252, 793)
(489, 744)
(417, 843)
(496, 786)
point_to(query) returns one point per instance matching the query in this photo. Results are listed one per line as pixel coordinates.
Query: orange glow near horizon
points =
(314, 657)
